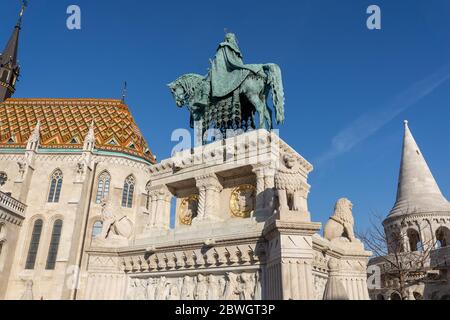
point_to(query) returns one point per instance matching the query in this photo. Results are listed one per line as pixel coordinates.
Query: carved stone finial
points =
(34, 139)
(89, 140)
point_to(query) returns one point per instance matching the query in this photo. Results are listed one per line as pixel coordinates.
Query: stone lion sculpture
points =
(289, 184)
(340, 226)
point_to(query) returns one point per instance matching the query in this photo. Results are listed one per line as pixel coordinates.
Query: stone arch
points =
(414, 240)
(417, 295)
(395, 296)
(380, 297)
(443, 237)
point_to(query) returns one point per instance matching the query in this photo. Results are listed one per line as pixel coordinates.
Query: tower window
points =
(34, 245)
(104, 181)
(414, 240)
(55, 186)
(128, 191)
(443, 237)
(54, 244)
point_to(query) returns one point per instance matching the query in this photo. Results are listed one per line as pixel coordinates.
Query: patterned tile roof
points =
(65, 123)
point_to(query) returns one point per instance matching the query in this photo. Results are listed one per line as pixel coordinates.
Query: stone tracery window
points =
(54, 245)
(34, 245)
(55, 186)
(128, 192)
(103, 186)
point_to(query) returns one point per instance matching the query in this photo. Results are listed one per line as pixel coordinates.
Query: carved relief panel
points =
(228, 286)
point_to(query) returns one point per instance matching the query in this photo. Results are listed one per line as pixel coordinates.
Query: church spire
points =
(9, 67)
(417, 191)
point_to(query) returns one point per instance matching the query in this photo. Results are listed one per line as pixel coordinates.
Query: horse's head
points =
(183, 89)
(178, 93)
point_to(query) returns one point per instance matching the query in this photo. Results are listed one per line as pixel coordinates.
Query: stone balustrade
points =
(11, 204)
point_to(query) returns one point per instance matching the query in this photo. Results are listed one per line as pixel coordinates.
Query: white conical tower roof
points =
(417, 191)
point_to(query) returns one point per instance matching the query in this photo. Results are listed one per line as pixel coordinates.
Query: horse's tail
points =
(276, 84)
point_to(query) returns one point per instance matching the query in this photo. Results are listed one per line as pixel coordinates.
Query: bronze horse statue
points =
(232, 93)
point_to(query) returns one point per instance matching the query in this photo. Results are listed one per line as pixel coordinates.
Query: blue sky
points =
(348, 89)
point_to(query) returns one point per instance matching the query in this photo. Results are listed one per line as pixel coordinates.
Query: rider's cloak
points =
(228, 70)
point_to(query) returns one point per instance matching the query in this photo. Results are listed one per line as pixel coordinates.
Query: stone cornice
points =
(416, 216)
(274, 227)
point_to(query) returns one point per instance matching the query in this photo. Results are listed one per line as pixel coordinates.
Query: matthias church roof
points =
(64, 123)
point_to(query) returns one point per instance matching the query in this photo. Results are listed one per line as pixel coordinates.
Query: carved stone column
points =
(209, 188)
(260, 187)
(269, 184)
(302, 195)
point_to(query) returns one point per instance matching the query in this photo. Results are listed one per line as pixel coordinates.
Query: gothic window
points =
(128, 191)
(54, 244)
(55, 186)
(34, 245)
(104, 181)
(97, 229)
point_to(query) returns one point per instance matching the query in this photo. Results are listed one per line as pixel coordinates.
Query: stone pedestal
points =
(243, 228)
(288, 273)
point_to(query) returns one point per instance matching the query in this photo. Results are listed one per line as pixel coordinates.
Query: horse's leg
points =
(268, 110)
(252, 90)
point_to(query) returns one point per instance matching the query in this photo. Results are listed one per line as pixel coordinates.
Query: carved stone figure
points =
(213, 288)
(114, 227)
(201, 292)
(247, 287)
(340, 225)
(289, 185)
(22, 169)
(80, 170)
(222, 286)
(187, 290)
(232, 288)
(174, 292)
(160, 292)
(151, 288)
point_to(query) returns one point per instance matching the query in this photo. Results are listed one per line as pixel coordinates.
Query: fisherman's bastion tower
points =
(417, 233)
(85, 209)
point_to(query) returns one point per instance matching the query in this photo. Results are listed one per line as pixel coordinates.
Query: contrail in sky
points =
(369, 123)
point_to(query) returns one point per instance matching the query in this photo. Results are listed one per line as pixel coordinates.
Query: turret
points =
(9, 66)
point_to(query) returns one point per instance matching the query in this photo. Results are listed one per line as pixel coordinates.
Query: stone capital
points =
(209, 182)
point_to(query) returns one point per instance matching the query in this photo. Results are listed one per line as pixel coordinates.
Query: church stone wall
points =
(77, 188)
